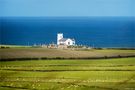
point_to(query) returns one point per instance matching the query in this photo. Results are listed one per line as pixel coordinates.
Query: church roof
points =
(65, 39)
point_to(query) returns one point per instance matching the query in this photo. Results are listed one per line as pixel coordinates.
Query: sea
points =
(100, 32)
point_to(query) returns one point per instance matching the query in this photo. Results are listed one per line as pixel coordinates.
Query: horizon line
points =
(66, 16)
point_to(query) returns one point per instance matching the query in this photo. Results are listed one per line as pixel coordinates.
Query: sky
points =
(37, 8)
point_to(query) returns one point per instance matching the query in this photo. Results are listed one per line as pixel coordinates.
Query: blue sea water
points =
(90, 31)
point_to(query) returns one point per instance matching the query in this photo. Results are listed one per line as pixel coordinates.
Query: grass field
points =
(9, 53)
(106, 74)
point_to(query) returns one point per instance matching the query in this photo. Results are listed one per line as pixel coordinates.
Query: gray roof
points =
(64, 39)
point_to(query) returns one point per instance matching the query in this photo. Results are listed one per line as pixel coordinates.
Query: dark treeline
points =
(64, 58)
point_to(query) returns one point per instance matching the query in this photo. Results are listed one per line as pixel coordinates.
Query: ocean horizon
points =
(103, 32)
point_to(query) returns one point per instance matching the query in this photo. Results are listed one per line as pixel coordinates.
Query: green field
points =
(12, 53)
(107, 74)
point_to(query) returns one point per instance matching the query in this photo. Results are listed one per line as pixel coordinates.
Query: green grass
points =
(12, 53)
(14, 46)
(106, 74)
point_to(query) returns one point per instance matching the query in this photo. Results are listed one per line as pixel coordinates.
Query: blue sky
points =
(67, 8)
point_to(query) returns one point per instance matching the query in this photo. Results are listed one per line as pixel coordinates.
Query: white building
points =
(64, 41)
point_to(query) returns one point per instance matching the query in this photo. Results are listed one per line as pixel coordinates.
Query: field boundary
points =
(65, 58)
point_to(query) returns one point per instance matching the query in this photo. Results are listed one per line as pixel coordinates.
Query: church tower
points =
(59, 36)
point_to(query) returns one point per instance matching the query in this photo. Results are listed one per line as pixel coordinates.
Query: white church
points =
(64, 41)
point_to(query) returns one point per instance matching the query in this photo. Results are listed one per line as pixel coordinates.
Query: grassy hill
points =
(12, 53)
(112, 74)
